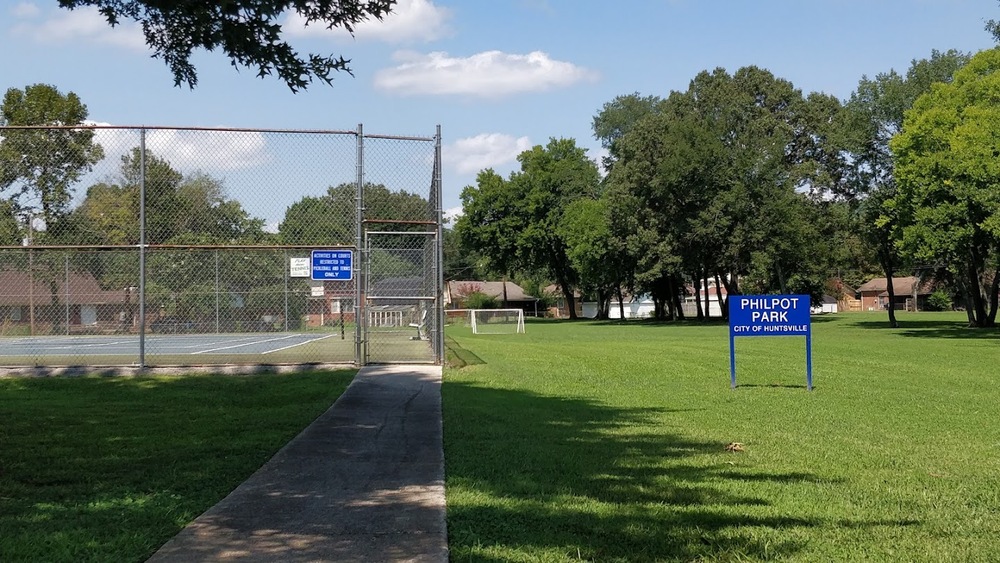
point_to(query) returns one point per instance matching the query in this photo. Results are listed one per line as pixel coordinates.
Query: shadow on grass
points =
(529, 474)
(458, 357)
(774, 386)
(933, 329)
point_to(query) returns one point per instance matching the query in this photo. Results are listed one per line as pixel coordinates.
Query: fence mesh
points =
(171, 246)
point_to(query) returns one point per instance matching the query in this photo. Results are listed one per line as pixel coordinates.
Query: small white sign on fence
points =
(299, 268)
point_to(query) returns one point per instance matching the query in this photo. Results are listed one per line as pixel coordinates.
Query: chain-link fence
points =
(168, 246)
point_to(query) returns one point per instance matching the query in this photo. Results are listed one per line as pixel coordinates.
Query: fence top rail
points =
(217, 129)
(178, 247)
(175, 128)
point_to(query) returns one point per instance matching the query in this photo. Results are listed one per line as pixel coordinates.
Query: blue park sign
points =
(332, 265)
(769, 315)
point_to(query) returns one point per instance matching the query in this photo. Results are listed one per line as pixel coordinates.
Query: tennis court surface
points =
(183, 349)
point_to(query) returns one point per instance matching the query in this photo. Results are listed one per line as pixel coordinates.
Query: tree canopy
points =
(247, 31)
(515, 222)
(871, 117)
(40, 166)
(948, 174)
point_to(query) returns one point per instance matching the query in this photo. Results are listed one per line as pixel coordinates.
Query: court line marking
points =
(297, 344)
(244, 344)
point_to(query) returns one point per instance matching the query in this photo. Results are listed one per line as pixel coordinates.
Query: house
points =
(910, 294)
(509, 295)
(561, 310)
(636, 307)
(827, 304)
(709, 296)
(42, 301)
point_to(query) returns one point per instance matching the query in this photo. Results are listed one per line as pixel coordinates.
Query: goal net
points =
(497, 321)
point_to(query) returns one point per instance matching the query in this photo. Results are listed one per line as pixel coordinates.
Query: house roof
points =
(459, 289)
(556, 289)
(900, 286)
(83, 289)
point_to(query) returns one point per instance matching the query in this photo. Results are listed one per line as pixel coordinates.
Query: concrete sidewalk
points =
(364, 482)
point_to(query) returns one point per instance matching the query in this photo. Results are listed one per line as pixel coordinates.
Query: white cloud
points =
(488, 74)
(410, 21)
(189, 151)
(452, 214)
(83, 25)
(25, 10)
(488, 150)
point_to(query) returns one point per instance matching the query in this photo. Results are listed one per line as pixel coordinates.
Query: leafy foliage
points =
(40, 165)
(948, 172)
(245, 30)
(515, 223)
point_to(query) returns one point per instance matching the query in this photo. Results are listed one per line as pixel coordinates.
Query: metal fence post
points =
(439, 255)
(360, 339)
(216, 291)
(66, 281)
(142, 248)
(284, 268)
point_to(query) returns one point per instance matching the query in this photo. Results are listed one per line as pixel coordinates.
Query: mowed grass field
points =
(110, 468)
(607, 442)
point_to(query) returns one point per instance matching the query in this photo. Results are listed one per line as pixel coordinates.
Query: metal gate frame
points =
(428, 298)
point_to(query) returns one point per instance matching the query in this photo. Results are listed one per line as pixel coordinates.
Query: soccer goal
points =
(497, 321)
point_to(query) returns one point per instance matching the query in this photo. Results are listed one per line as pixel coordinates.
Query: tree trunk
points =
(978, 301)
(781, 278)
(723, 303)
(621, 299)
(697, 297)
(732, 287)
(708, 304)
(678, 303)
(885, 257)
(601, 314)
(991, 319)
(570, 301)
(963, 287)
(671, 302)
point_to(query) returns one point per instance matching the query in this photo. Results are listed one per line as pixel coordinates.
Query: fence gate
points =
(402, 320)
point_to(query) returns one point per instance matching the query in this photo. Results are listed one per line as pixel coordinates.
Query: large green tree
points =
(718, 176)
(618, 117)
(592, 251)
(179, 209)
(39, 166)
(331, 219)
(947, 164)
(871, 117)
(247, 31)
(515, 222)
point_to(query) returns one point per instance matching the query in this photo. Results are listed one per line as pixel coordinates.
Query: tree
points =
(10, 226)
(459, 264)
(331, 219)
(618, 117)
(179, 209)
(592, 249)
(41, 165)
(245, 30)
(871, 117)
(712, 176)
(514, 223)
(947, 163)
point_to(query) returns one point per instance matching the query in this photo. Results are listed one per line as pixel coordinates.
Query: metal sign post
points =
(769, 315)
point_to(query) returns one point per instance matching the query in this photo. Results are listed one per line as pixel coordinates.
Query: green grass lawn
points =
(108, 469)
(607, 442)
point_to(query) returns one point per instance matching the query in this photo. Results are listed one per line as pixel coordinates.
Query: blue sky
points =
(499, 76)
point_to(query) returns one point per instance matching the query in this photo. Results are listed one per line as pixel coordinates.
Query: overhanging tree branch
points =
(245, 30)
